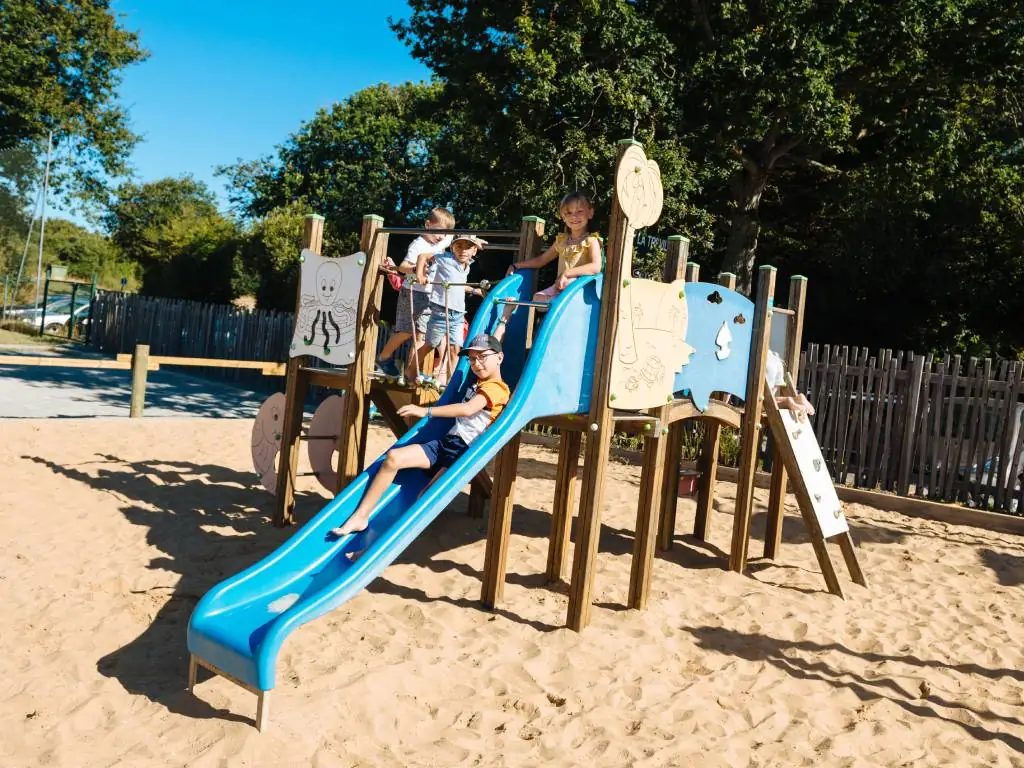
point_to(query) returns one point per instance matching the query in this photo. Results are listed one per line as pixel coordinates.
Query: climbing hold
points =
(817, 497)
(351, 355)
(401, 381)
(292, 346)
(593, 426)
(277, 435)
(302, 259)
(485, 284)
(647, 427)
(664, 430)
(668, 399)
(817, 465)
(360, 262)
(611, 396)
(682, 294)
(625, 283)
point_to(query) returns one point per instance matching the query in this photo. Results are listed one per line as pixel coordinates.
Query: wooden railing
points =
(946, 429)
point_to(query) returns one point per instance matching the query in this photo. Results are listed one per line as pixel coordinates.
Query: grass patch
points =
(19, 333)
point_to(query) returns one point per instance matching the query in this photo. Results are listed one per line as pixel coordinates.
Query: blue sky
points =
(228, 79)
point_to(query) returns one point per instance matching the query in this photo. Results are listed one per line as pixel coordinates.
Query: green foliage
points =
(372, 153)
(60, 65)
(535, 97)
(86, 255)
(271, 255)
(186, 249)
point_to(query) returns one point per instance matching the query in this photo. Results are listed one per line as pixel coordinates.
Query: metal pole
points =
(24, 253)
(42, 217)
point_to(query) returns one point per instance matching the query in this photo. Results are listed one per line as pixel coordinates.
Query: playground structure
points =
(613, 354)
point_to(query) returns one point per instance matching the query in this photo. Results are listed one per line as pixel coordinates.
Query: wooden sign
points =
(650, 344)
(638, 186)
(325, 326)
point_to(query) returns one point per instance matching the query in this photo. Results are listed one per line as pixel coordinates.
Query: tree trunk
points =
(741, 250)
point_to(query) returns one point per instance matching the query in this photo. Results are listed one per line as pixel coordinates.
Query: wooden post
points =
(910, 425)
(565, 500)
(531, 233)
(352, 434)
(499, 524)
(707, 460)
(777, 492)
(140, 364)
(620, 240)
(676, 267)
(295, 386)
(693, 272)
(750, 426)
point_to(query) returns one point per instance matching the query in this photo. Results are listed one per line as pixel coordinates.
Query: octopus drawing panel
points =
(328, 297)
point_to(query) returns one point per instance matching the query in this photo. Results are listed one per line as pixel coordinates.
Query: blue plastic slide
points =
(240, 625)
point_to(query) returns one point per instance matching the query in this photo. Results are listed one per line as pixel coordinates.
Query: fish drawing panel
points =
(650, 344)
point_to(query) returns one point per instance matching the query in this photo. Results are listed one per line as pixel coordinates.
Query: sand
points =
(112, 529)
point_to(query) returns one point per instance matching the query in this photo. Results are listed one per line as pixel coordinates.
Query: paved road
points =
(38, 392)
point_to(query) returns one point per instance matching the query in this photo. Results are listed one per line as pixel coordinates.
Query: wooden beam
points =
(620, 237)
(564, 505)
(676, 268)
(499, 524)
(777, 494)
(295, 386)
(707, 460)
(750, 431)
(352, 435)
(656, 509)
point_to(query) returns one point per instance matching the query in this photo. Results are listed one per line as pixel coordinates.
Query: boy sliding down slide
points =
(484, 401)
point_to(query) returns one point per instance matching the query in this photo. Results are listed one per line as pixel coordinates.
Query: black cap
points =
(481, 343)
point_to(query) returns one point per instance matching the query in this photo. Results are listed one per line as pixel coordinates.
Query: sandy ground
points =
(112, 529)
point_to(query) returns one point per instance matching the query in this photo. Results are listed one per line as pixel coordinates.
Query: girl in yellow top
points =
(578, 252)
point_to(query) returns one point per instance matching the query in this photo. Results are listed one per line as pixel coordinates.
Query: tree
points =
(270, 255)
(371, 153)
(536, 96)
(769, 86)
(60, 64)
(172, 229)
(86, 254)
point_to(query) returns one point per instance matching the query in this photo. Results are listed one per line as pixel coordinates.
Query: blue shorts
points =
(435, 326)
(444, 451)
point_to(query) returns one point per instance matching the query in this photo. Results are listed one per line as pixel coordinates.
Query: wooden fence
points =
(179, 328)
(941, 428)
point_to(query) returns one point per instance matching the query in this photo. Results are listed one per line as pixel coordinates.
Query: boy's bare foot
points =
(354, 524)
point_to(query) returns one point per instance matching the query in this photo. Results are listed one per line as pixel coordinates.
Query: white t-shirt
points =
(416, 247)
(449, 270)
(774, 371)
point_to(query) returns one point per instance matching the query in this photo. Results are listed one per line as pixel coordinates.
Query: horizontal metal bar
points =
(541, 305)
(484, 233)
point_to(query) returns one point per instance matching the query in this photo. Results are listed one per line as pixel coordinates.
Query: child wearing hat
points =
(483, 403)
(448, 300)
